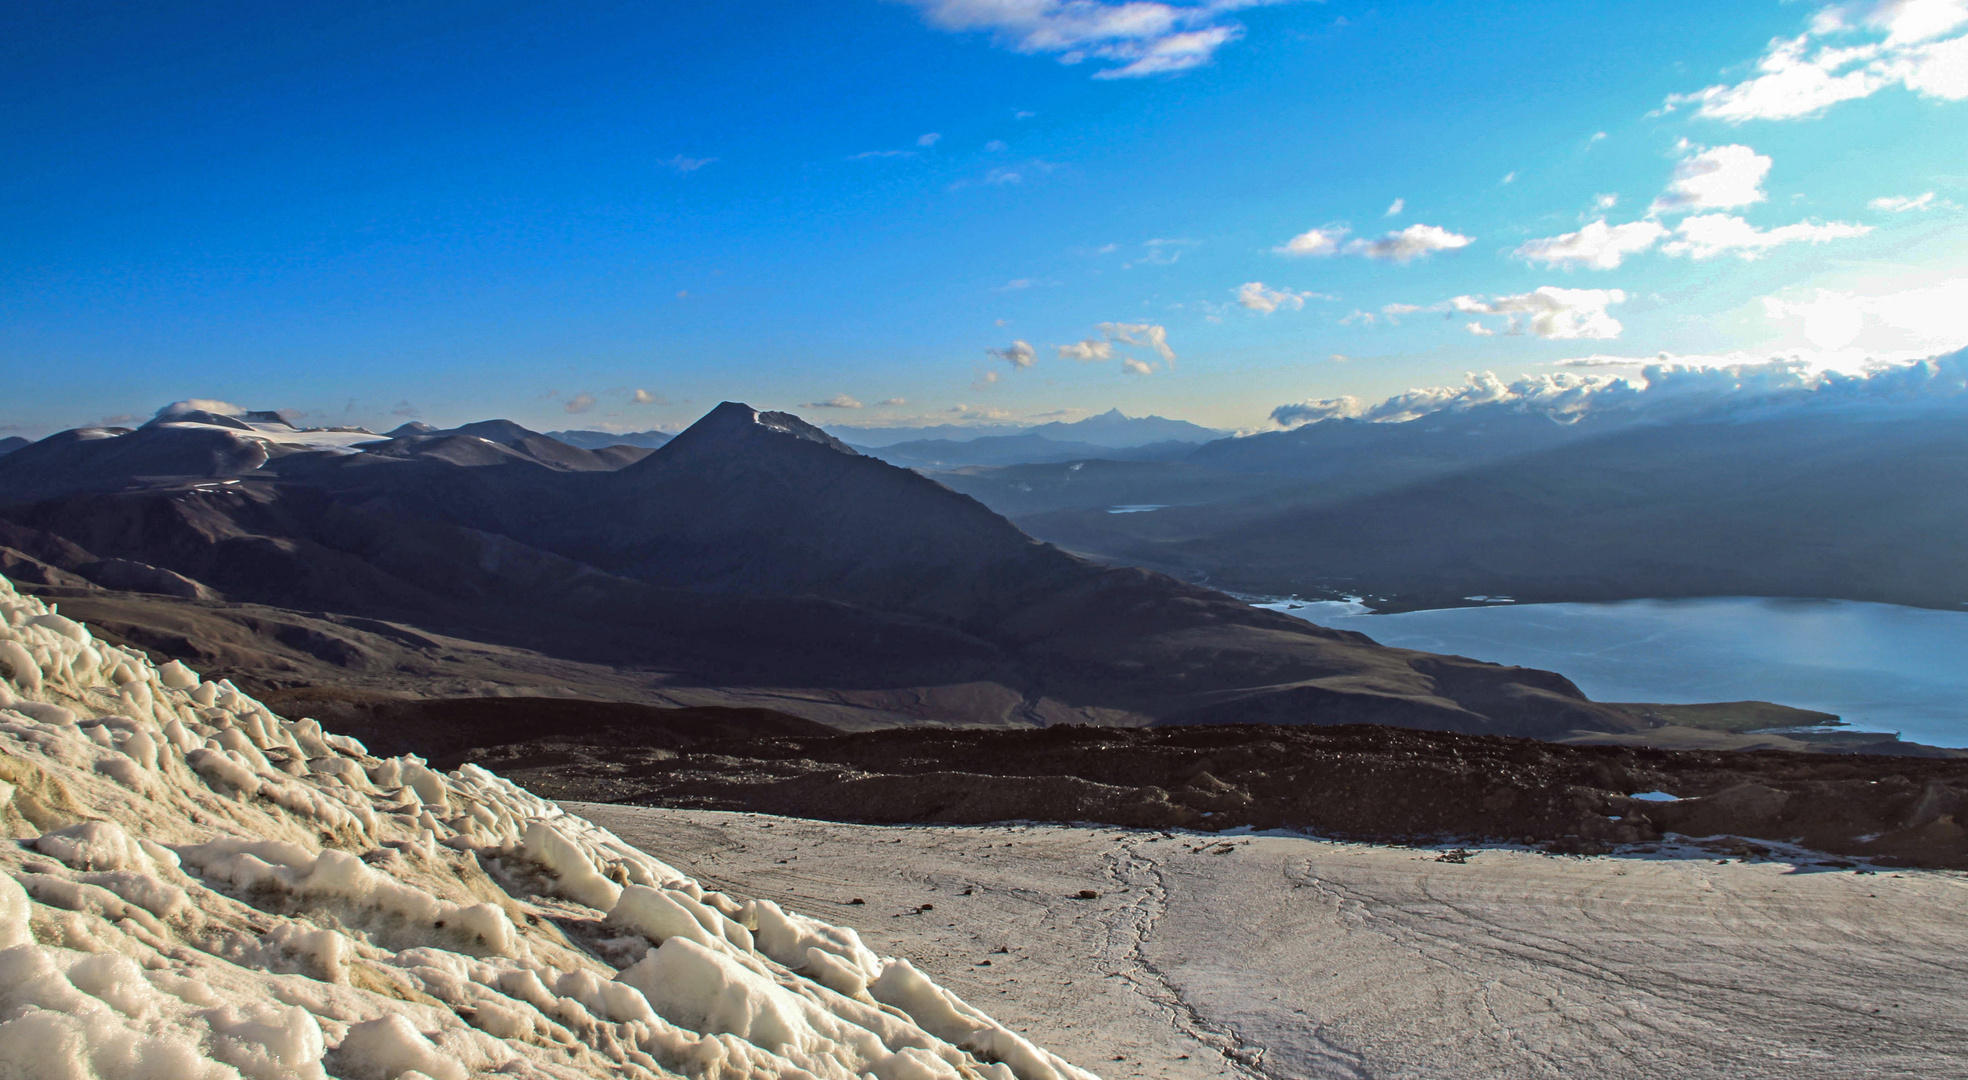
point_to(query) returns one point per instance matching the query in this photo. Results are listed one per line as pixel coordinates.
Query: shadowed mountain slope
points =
(756, 551)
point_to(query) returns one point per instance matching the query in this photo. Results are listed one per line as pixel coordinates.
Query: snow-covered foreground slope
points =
(200, 890)
(1282, 957)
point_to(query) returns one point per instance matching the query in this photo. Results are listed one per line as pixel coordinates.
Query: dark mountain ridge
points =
(754, 550)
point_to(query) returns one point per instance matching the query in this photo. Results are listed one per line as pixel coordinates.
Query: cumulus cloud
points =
(579, 403)
(1606, 201)
(1900, 204)
(1394, 208)
(1710, 235)
(1804, 76)
(1131, 366)
(1257, 296)
(1018, 354)
(1598, 245)
(1907, 321)
(1714, 178)
(1413, 242)
(838, 401)
(1661, 389)
(1136, 38)
(1479, 329)
(1320, 241)
(1090, 351)
(209, 405)
(894, 402)
(1551, 312)
(1146, 335)
(644, 397)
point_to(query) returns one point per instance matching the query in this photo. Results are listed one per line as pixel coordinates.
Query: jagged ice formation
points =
(197, 889)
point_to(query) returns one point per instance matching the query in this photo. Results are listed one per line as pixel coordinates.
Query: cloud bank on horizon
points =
(1662, 388)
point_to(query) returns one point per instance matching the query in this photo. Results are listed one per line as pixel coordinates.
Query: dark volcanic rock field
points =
(1356, 781)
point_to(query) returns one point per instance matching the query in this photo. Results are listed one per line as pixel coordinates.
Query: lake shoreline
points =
(1880, 668)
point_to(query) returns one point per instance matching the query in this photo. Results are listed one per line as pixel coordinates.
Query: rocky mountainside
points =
(753, 555)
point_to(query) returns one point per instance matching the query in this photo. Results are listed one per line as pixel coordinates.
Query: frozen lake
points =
(1880, 666)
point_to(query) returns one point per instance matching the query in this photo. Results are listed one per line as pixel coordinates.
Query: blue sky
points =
(958, 210)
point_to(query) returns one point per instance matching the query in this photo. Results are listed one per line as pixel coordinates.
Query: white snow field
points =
(1279, 957)
(196, 889)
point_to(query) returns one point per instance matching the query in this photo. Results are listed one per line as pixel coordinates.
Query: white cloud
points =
(1394, 310)
(1606, 201)
(1803, 76)
(866, 155)
(1552, 312)
(1131, 366)
(929, 139)
(580, 403)
(996, 145)
(1018, 354)
(1598, 245)
(892, 402)
(1509, 177)
(1716, 178)
(1413, 242)
(838, 401)
(1146, 335)
(1090, 351)
(1136, 37)
(1904, 322)
(1661, 389)
(688, 165)
(210, 405)
(1479, 329)
(1396, 207)
(1321, 241)
(644, 397)
(1709, 235)
(1900, 204)
(1257, 296)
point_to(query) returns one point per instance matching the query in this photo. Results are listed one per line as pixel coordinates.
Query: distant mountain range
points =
(1112, 429)
(598, 440)
(1762, 482)
(753, 559)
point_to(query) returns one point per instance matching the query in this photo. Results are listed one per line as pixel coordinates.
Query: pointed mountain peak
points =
(734, 423)
(1114, 414)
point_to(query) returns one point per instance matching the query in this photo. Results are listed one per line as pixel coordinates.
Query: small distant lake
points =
(1879, 666)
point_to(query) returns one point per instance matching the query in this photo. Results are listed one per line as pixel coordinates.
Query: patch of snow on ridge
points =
(201, 890)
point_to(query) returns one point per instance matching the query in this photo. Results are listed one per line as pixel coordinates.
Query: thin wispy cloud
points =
(1711, 235)
(1550, 312)
(1260, 297)
(579, 403)
(1849, 52)
(838, 401)
(688, 165)
(1902, 204)
(1598, 246)
(1134, 38)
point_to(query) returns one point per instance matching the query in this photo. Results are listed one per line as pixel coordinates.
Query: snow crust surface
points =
(197, 889)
